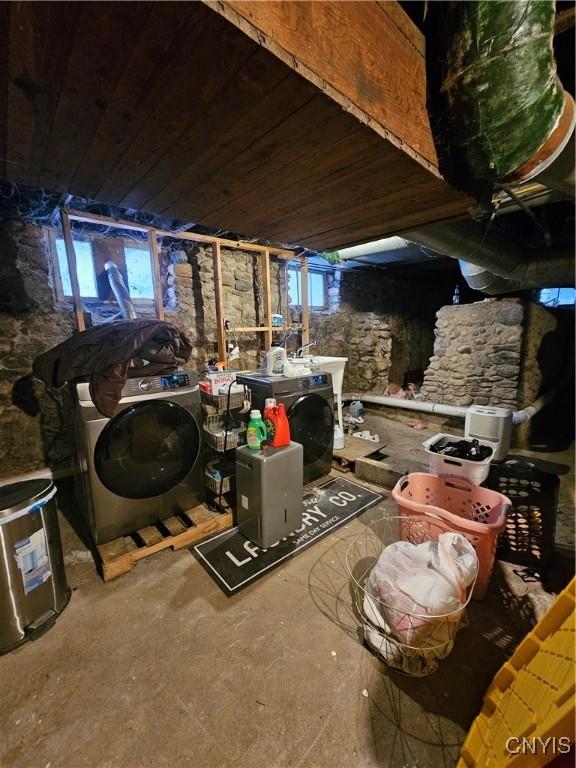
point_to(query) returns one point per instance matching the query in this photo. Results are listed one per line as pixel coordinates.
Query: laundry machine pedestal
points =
(269, 488)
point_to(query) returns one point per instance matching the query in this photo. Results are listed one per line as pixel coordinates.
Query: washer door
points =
(312, 425)
(147, 449)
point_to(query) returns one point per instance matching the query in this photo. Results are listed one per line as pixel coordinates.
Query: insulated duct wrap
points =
(503, 96)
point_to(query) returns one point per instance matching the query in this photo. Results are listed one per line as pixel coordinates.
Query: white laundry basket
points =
(474, 471)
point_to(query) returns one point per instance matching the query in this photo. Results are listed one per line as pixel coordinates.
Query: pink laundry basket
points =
(475, 512)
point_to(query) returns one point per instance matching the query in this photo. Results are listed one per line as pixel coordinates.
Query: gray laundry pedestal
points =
(269, 488)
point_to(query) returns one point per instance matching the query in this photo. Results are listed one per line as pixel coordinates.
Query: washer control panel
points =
(320, 380)
(175, 381)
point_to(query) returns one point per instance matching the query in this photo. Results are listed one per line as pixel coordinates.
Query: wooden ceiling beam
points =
(189, 115)
(366, 56)
(96, 218)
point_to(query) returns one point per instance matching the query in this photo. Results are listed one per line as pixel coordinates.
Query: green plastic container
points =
(256, 431)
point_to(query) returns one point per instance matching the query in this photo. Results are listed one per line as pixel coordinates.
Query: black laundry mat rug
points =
(234, 562)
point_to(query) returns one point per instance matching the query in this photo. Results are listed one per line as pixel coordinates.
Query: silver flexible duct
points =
(491, 262)
(120, 291)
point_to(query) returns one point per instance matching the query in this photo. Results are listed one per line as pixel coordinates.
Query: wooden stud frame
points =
(155, 264)
(218, 294)
(72, 269)
(264, 252)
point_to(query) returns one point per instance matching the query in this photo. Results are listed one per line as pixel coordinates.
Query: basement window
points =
(132, 259)
(317, 296)
(84, 268)
(557, 297)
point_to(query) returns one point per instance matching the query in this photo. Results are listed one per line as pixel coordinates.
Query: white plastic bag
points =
(418, 588)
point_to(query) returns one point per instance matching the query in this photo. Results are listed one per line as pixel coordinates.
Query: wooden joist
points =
(110, 221)
(308, 128)
(121, 555)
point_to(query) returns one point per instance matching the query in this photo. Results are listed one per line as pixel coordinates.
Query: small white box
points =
(474, 471)
(218, 378)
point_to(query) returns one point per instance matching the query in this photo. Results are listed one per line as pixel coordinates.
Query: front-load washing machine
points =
(146, 462)
(309, 402)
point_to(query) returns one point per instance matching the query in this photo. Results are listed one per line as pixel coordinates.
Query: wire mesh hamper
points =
(458, 505)
(433, 635)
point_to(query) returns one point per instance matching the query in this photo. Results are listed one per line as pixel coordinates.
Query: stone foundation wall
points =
(191, 301)
(384, 325)
(477, 354)
(539, 323)
(364, 338)
(35, 422)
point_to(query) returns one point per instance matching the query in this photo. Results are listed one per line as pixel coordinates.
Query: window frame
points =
(311, 271)
(65, 299)
(556, 303)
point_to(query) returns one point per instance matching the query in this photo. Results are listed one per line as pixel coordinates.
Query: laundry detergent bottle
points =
(269, 406)
(275, 359)
(281, 427)
(255, 431)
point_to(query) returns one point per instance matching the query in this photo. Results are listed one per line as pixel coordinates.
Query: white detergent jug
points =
(275, 359)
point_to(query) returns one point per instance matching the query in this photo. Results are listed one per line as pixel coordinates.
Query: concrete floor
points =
(159, 668)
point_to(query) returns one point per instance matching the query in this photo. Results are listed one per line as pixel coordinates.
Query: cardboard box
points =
(218, 379)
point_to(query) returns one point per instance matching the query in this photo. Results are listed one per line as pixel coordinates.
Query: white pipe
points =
(525, 414)
(459, 411)
(411, 405)
(339, 406)
(375, 246)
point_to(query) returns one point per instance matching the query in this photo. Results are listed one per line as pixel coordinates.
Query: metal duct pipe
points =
(120, 291)
(550, 272)
(491, 262)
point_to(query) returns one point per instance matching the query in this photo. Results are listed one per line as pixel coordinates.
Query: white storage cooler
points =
(474, 471)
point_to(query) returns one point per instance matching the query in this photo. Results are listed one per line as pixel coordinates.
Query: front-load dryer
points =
(309, 402)
(146, 462)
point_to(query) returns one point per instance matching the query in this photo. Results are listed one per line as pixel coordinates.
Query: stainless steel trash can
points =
(33, 587)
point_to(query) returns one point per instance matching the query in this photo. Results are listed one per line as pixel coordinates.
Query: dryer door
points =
(312, 425)
(147, 449)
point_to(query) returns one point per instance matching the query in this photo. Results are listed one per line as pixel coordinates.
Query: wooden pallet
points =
(344, 459)
(342, 464)
(121, 555)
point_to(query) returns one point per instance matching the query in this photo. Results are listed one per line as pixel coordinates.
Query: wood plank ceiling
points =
(170, 109)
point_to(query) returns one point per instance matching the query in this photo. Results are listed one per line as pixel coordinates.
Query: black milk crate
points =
(528, 538)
